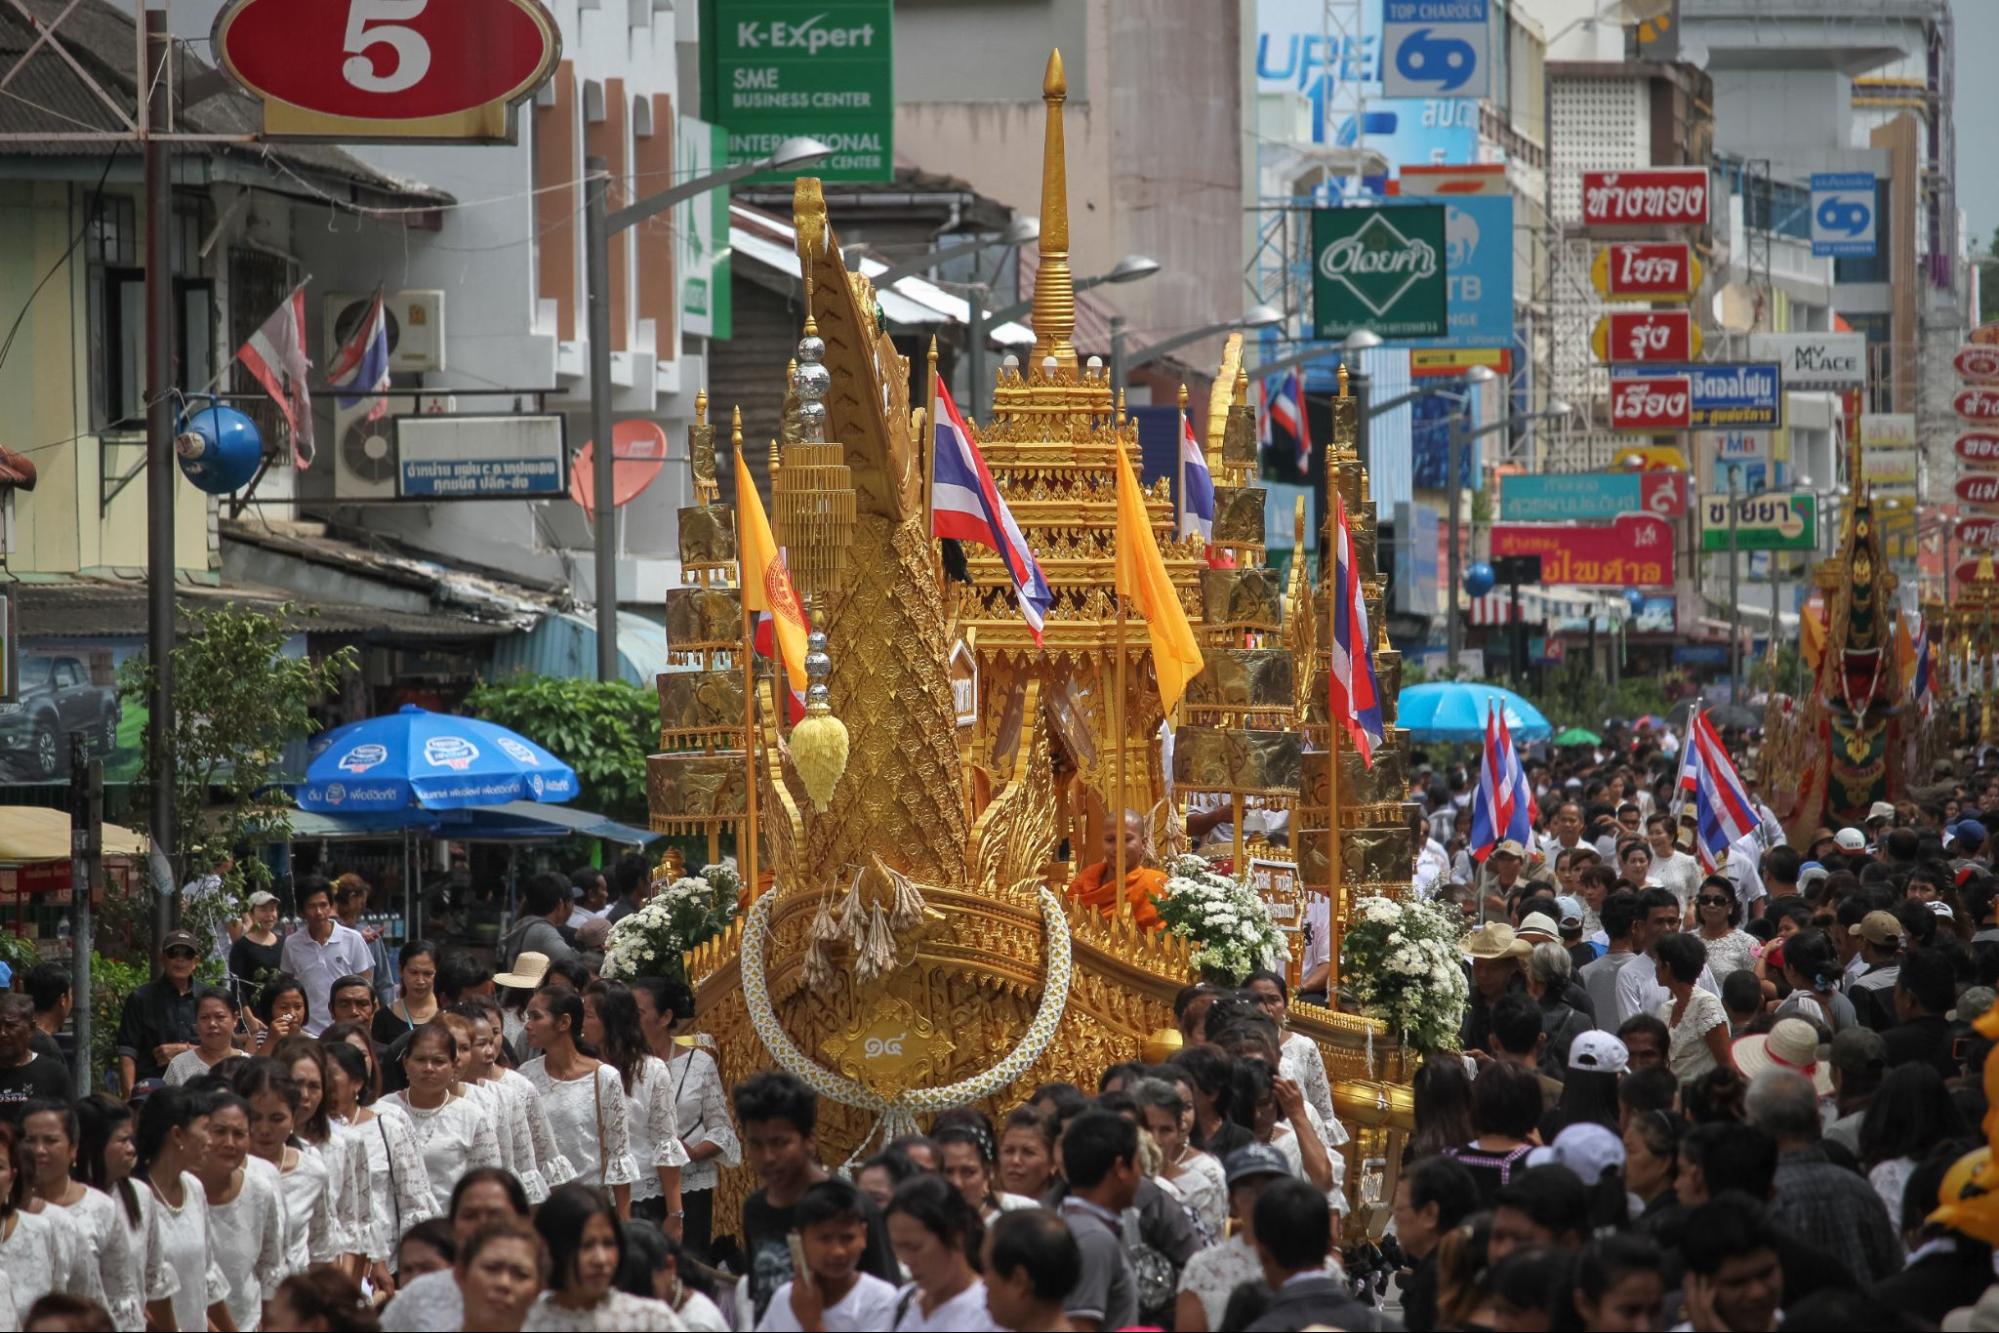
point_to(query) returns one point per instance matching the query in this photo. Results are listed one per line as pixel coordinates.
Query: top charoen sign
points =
(388, 70)
(1647, 197)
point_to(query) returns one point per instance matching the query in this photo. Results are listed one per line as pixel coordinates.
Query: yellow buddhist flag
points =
(766, 583)
(1141, 576)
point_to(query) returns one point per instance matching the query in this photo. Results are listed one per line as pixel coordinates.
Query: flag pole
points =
(1180, 470)
(747, 852)
(930, 463)
(1117, 739)
(1335, 856)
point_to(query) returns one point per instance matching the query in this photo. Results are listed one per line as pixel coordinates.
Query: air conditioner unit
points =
(416, 327)
(364, 451)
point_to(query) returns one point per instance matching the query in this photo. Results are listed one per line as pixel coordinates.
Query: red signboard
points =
(1646, 270)
(1663, 493)
(1967, 572)
(1979, 489)
(1646, 335)
(1976, 363)
(399, 70)
(1979, 533)
(1650, 197)
(1979, 448)
(1631, 551)
(1976, 404)
(1652, 402)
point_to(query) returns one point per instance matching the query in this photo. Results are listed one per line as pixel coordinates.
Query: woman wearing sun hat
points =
(1791, 1043)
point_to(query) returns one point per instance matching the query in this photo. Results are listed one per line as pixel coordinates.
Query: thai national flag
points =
(966, 505)
(1355, 696)
(1287, 413)
(1723, 812)
(1504, 805)
(1197, 495)
(361, 367)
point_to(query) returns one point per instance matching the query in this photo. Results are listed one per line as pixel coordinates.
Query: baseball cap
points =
(1942, 909)
(1571, 910)
(1880, 810)
(1810, 873)
(1257, 1159)
(1967, 833)
(261, 896)
(179, 939)
(1851, 840)
(1586, 1148)
(1857, 1049)
(1973, 1003)
(1539, 928)
(1881, 928)
(1510, 847)
(1599, 1052)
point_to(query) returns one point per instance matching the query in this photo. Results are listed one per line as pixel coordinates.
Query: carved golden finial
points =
(1241, 386)
(1343, 379)
(701, 452)
(1054, 287)
(1120, 407)
(701, 406)
(1183, 396)
(808, 217)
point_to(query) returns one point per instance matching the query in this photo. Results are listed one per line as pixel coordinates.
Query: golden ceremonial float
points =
(906, 945)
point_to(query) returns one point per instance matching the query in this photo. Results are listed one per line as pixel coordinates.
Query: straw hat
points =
(529, 969)
(1541, 927)
(1791, 1044)
(1495, 939)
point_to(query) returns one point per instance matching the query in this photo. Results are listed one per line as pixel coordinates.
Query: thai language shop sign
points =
(1725, 393)
(1553, 497)
(1380, 269)
(1632, 551)
(772, 69)
(1784, 522)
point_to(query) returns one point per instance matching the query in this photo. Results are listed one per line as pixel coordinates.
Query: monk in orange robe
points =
(1142, 883)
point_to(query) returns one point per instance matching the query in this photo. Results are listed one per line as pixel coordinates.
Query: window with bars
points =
(117, 294)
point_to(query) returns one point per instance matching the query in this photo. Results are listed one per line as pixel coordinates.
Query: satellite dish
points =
(1735, 308)
(638, 449)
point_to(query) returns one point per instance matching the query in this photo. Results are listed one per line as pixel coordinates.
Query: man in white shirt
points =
(1638, 988)
(323, 952)
(1565, 831)
(1433, 863)
(1740, 868)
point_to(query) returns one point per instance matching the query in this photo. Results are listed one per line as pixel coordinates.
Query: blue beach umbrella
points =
(436, 761)
(1456, 711)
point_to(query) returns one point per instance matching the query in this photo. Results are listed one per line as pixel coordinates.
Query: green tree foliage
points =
(238, 702)
(602, 729)
(1572, 695)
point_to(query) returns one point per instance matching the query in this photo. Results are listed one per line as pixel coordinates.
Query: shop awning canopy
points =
(528, 821)
(31, 833)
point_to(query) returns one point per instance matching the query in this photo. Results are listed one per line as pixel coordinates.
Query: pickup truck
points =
(58, 700)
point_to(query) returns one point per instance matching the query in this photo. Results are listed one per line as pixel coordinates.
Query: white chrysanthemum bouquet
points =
(1225, 920)
(679, 915)
(1403, 963)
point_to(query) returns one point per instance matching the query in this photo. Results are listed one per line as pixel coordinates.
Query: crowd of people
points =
(1730, 1100)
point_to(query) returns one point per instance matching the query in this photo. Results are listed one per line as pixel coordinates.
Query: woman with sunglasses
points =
(1718, 915)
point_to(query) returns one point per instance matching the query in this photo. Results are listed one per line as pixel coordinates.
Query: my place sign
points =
(1781, 521)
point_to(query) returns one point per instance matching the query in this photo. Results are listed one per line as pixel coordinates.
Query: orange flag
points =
(1142, 577)
(766, 583)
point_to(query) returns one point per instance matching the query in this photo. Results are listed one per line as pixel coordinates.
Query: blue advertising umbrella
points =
(436, 761)
(1456, 711)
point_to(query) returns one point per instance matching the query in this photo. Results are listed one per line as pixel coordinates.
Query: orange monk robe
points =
(1141, 885)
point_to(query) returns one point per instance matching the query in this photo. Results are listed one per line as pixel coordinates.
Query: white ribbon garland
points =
(897, 1115)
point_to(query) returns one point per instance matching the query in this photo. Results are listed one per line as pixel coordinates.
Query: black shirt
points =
(1927, 1039)
(40, 1077)
(252, 964)
(155, 1015)
(767, 1247)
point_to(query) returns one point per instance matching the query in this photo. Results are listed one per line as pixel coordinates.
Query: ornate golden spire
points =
(1054, 288)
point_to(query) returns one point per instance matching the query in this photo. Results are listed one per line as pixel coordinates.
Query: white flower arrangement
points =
(1226, 920)
(677, 917)
(1402, 960)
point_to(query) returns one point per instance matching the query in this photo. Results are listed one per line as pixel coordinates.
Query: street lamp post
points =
(1734, 601)
(600, 225)
(1131, 268)
(1018, 232)
(1258, 316)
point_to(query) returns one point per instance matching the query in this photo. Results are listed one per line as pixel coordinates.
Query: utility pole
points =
(86, 876)
(1454, 462)
(1734, 601)
(161, 468)
(603, 473)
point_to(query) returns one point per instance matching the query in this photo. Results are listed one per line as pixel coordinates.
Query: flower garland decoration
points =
(1226, 920)
(1402, 960)
(680, 915)
(898, 1115)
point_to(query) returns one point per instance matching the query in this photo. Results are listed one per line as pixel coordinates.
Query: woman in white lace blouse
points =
(700, 1102)
(1299, 1055)
(386, 1168)
(1190, 1175)
(611, 1026)
(452, 1132)
(172, 1141)
(534, 1139)
(583, 1096)
(133, 1265)
(48, 1135)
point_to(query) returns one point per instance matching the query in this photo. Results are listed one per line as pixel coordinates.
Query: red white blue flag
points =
(966, 505)
(360, 370)
(764, 647)
(1723, 813)
(275, 356)
(1286, 413)
(1504, 804)
(1355, 694)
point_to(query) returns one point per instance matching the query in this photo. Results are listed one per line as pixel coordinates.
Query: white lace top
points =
(76, 1255)
(508, 1129)
(126, 1254)
(249, 1234)
(190, 1245)
(428, 1304)
(550, 1159)
(453, 1138)
(1202, 1186)
(701, 1105)
(306, 1188)
(1213, 1273)
(393, 1182)
(616, 1313)
(654, 1124)
(575, 1106)
(29, 1255)
(1301, 1062)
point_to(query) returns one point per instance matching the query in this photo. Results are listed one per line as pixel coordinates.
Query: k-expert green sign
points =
(1380, 269)
(771, 69)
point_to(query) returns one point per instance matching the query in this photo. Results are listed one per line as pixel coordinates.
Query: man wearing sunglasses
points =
(158, 1022)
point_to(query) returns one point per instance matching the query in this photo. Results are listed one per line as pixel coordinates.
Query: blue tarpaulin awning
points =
(528, 821)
